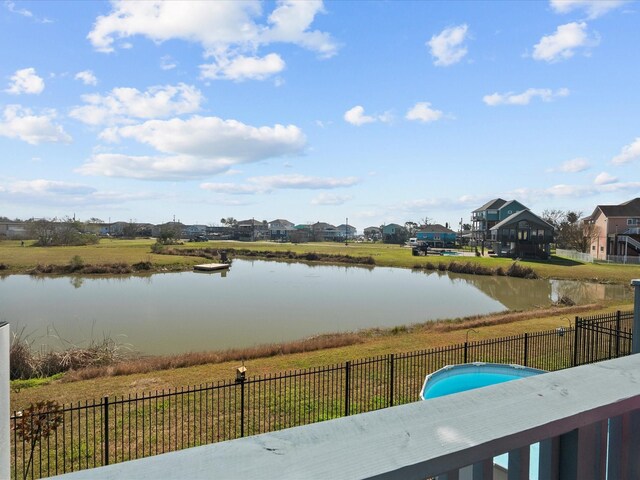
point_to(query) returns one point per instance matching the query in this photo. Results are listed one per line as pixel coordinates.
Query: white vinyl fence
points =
(575, 255)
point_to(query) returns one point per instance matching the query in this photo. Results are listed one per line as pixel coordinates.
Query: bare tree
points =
(411, 228)
(570, 231)
(425, 221)
(43, 231)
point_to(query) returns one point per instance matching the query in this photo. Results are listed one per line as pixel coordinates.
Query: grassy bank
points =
(18, 259)
(362, 344)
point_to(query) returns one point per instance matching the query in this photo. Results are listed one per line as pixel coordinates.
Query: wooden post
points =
(635, 345)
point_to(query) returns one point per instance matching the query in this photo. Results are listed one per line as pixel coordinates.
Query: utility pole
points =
(346, 232)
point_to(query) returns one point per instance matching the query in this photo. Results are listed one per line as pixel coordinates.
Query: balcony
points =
(587, 420)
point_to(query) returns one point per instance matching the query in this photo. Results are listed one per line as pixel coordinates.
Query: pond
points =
(258, 302)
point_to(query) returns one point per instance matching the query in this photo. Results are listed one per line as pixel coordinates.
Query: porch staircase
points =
(632, 242)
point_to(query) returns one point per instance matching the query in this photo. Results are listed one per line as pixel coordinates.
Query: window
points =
(633, 221)
(602, 249)
(593, 247)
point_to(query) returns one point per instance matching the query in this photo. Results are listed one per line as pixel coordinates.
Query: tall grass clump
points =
(519, 271)
(27, 362)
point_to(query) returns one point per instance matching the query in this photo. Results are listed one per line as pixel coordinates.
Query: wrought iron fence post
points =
(391, 371)
(575, 341)
(465, 352)
(105, 404)
(618, 314)
(526, 347)
(242, 407)
(347, 399)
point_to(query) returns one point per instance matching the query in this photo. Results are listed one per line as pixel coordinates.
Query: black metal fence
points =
(49, 439)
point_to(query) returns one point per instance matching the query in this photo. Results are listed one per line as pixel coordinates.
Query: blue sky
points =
(378, 112)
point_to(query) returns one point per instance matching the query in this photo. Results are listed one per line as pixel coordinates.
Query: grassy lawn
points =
(21, 259)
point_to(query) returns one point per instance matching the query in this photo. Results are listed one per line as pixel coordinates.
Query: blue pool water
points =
(459, 378)
(465, 381)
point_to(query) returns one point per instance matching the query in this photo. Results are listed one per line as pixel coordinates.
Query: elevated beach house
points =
(280, 229)
(522, 234)
(617, 230)
(483, 219)
(437, 235)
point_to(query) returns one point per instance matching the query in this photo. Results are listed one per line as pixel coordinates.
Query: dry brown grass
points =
(320, 342)
(26, 363)
(152, 364)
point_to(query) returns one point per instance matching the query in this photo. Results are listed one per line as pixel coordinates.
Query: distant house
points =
(250, 230)
(115, 229)
(346, 231)
(321, 231)
(617, 230)
(523, 234)
(281, 229)
(193, 231)
(437, 236)
(175, 227)
(16, 230)
(394, 233)
(219, 232)
(372, 233)
(489, 215)
(121, 229)
(301, 234)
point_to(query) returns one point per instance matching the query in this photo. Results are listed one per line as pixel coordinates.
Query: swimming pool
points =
(459, 378)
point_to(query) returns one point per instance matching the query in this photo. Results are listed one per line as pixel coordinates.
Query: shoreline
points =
(177, 371)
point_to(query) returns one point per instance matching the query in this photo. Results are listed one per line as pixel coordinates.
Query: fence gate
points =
(602, 337)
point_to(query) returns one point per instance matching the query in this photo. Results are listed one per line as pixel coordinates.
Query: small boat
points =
(211, 267)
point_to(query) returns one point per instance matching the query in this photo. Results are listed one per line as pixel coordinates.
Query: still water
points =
(259, 302)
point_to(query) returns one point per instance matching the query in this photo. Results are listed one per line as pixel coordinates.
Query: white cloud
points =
(330, 199)
(510, 98)
(296, 181)
(593, 8)
(290, 23)
(563, 43)
(356, 116)
(87, 77)
(267, 184)
(605, 179)
(13, 8)
(122, 105)
(242, 68)
(197, 147)
(229, 32)
(167, 62)
(423, 112)
(574, 165)
(628, 154)
(25, 81)
(232, 188)
(21, 123)
(447, 47)
(45, 187)
(52, 192)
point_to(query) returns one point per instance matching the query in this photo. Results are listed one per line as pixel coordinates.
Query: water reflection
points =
(261, 302)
